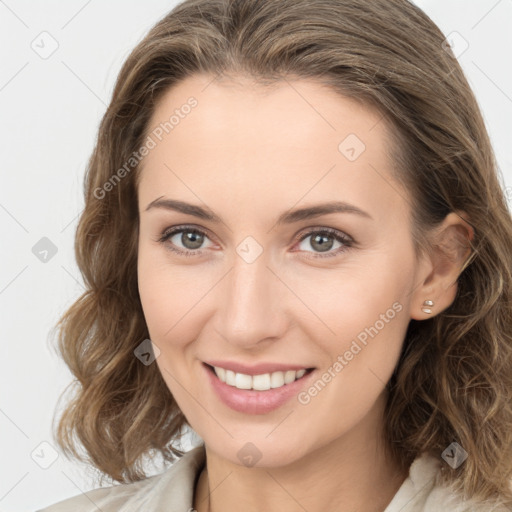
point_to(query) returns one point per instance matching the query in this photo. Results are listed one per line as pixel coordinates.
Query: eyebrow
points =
(288, 217)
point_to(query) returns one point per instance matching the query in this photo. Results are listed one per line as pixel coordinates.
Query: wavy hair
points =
(453, 380)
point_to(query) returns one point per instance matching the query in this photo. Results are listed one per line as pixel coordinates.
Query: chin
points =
(260, 451)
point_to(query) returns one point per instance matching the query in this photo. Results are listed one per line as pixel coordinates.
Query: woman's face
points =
(252, 280)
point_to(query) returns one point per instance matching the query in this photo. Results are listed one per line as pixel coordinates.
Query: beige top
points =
(173, 491)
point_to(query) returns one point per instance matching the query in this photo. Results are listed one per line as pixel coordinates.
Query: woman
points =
(296, 243)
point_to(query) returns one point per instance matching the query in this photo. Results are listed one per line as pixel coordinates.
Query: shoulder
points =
(422, 491)
(171, 490)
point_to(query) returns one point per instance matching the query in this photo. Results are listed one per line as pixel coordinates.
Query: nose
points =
(252, 308)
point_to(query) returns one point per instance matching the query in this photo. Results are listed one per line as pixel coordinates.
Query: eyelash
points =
(337, 235)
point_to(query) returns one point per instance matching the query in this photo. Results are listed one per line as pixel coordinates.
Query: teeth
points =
(276, 379)
(261, 382)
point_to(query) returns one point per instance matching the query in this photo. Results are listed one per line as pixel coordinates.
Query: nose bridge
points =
(251, 302)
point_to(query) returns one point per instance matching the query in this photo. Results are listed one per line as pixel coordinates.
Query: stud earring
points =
(426, 306)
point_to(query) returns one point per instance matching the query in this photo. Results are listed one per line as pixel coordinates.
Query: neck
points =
(353, 472)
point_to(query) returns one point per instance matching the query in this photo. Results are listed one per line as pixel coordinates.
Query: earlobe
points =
(451, 247)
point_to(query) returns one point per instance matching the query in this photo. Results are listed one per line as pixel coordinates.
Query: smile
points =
(255, 392)
(261, 382)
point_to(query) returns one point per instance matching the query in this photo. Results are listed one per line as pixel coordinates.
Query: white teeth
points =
(243, 381)
(277, 379)
(221, 372)
(261, 382)
(230, 377)
(289, 376)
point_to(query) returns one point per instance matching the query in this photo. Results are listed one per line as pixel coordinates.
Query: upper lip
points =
(256, 369)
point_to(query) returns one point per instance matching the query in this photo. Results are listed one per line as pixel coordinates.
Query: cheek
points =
(157, 292)
(362, 357)
(352, 296)
(170, 296)
(360, 314)
(150, 290)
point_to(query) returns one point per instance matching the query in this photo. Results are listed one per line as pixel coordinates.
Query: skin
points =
(249, 154)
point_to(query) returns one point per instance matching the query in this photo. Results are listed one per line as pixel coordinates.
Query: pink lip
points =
(256, 369)
(250, 401)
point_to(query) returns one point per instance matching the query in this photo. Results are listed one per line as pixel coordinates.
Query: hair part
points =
(453, 380)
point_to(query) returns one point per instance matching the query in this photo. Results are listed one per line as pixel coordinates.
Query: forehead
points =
(297, 140)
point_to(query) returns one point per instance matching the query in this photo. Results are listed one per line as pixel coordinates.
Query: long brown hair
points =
(453, 381)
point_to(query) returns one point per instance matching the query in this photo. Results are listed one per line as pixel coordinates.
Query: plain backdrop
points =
(59, 61)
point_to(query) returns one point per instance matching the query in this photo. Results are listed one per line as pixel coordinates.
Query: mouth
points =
(259, 382)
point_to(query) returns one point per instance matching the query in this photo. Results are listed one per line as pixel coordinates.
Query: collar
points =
(173, 491)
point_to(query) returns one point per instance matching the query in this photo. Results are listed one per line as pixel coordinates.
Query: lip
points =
(256, 369)
(250, 401)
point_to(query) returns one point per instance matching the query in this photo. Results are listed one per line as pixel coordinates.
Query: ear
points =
(439, 271)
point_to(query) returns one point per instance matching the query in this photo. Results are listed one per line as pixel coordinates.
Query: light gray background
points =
(50, 109)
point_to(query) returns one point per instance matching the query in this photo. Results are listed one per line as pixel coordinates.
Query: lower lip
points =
(250, 401)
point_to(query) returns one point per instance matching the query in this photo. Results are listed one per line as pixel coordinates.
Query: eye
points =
(321, 240)
(190, 237)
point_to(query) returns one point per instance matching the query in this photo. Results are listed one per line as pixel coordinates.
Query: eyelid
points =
(298, 237)
(347, 240)
(181, 227)
(171, 231)
(322, 229)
